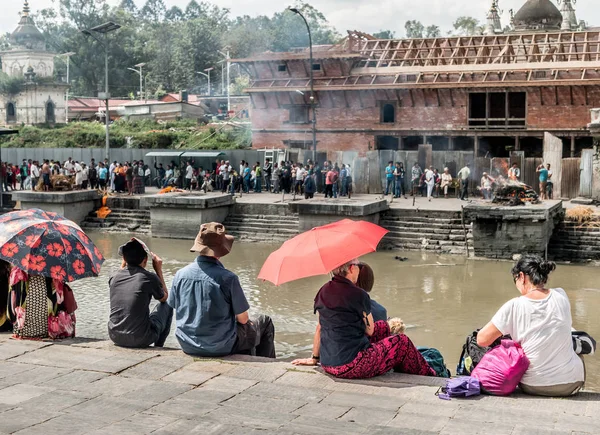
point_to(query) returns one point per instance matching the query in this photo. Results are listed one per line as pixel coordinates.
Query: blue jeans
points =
(246, 186)
(389, 185)
(399, 187)
(335, 190)
(344, 187)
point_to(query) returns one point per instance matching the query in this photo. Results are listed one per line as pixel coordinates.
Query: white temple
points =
(40, 98)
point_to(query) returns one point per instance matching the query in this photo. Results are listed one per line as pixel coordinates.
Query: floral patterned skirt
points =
(385, 353)
(37, 307)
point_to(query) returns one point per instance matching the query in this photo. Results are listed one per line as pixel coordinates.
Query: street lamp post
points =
(140, 66)
(104, 29)
(312, 85)
(68, 56)
(227, 59)
(207, 75)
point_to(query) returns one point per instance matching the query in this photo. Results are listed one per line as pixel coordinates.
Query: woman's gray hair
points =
(343, 269)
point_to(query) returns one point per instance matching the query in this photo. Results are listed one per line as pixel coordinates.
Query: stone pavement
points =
(91, 387)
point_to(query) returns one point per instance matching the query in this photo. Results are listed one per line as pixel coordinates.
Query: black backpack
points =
(472, 353)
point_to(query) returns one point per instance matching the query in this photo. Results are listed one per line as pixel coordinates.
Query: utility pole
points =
(68, 56)
(312, 85)
(207, 75)
(140, 66)
(104, 29)
(228, 59)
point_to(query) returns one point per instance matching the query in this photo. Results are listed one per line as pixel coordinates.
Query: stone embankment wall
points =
(437, 231)
(574, 242)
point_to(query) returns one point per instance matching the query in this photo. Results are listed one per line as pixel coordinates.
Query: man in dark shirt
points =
(131, 290)
(210, 306)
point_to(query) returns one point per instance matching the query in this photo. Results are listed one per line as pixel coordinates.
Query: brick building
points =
(491, 93)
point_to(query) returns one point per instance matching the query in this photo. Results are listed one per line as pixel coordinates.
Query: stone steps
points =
(263, 228)
(573, 242)
(120, 221)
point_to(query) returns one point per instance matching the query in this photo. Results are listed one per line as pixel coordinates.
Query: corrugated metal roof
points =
(164, 154)
(207, 154)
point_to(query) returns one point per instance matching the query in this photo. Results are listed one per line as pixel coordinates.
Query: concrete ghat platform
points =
(92, 387)
(503, 231)
(316, 212)
(74, 205)
(180, 215)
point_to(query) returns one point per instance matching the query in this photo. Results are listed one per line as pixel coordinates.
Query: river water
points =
(440, 298)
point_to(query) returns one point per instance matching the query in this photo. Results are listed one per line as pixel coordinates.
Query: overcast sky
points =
(363, 15)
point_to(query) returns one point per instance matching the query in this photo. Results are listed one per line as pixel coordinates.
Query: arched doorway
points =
(11, 113)
(50, 115)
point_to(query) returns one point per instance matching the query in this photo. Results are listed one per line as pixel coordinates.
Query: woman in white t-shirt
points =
(540, 320)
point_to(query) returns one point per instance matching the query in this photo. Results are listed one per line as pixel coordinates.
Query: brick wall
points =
(551, 115)
(421, 110)
(326, 141)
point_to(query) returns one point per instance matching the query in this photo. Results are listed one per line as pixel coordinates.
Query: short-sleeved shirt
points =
(189, 172)
(103, 173)
(389, 172)
(207, 298)
(342, 307)
(543, 175)
(330, 177)
(131, 290)
(379, 312)
(543, 328)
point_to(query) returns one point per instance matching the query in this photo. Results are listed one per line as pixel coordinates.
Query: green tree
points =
(249, 35)
(4, 42)
(129, 6)
(433, 31)
(385, 34)
(174, 14)
(289, 30)
(414, 29)
(468, 26)
(154, 11)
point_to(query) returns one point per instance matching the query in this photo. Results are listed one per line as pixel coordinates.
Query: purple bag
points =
(465, 386)
(501, 369)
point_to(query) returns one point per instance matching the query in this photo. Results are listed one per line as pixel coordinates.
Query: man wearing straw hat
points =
(211, 309)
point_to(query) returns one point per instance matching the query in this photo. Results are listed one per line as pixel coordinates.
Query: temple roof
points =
(538, 14)
(27, 35)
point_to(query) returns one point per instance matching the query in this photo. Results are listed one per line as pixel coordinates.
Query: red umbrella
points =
(321, 250)
(45, 243)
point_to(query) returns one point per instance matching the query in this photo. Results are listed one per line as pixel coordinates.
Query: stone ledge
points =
(339, 207)
(538, 212)
(55, 197)
(187, 201)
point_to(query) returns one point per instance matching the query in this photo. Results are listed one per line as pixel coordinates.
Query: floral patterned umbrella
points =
(47, 244)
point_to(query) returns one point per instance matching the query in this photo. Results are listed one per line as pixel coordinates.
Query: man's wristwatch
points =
(315, 357)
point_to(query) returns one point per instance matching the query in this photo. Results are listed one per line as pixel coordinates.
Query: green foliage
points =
(414, 29)
(11, 85)
(385, 34)
(468, 26)
(432, 31)
(174, 42)
(144, 134)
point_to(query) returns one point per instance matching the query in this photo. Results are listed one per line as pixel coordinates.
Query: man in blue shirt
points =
(389, 178)
(210, 306)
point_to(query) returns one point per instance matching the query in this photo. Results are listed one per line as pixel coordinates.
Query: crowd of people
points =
(131, 178)
(308, 179)
(331, 179)
(428, 183)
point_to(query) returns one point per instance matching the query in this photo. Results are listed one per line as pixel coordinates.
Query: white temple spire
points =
(493, 25)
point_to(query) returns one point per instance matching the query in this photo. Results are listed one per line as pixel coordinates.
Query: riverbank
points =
(92, 387)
